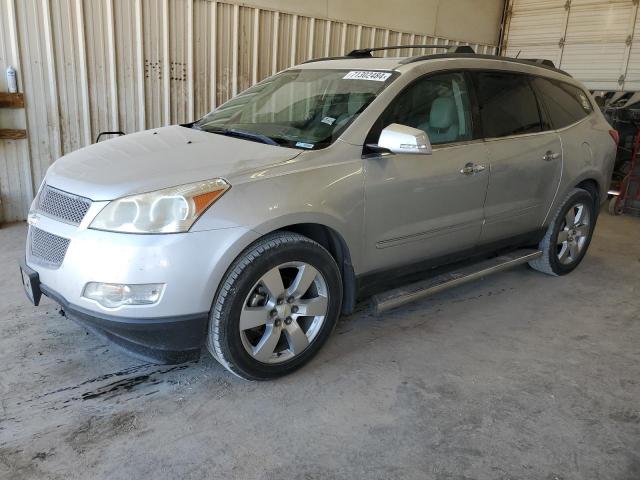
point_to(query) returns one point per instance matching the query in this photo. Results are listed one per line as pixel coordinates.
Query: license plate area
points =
(31, 283)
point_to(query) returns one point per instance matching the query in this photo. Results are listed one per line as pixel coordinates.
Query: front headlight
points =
(171, 210)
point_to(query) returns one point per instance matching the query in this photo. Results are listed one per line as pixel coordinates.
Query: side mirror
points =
(398, 138)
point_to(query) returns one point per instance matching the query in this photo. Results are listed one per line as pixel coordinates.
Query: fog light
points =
(112, 295)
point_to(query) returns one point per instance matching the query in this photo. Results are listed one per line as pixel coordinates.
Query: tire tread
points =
(543, 263)
(242, 263)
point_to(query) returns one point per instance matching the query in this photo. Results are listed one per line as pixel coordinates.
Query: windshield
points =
(305, 109)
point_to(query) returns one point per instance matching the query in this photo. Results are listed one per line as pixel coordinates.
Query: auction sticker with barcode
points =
(367, 75)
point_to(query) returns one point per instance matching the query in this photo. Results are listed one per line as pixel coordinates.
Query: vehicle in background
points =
(622, 111)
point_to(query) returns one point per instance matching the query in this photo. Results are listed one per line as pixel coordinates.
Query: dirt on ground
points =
(517, 376)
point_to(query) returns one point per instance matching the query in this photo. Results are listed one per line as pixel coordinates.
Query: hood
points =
(155, 159)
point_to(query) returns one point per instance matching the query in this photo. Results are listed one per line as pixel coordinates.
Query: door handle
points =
(471, 168)
(550, 156)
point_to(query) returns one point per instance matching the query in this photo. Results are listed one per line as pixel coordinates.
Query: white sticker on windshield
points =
(304, 145)
(328, 120)
(366, 75)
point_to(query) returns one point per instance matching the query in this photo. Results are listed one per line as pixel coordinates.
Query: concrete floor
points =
(518, 376)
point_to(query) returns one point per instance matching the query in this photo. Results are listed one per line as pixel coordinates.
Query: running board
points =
(386, 301)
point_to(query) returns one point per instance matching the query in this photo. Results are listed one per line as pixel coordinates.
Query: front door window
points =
(438, 104)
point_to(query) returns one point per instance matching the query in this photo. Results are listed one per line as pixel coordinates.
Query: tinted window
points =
(508, 105)
(438, 104)
(565, 103)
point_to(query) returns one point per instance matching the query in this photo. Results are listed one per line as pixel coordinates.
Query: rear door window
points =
(565, 103)
(508, 105)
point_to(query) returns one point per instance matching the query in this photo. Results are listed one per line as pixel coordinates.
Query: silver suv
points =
(254, 228)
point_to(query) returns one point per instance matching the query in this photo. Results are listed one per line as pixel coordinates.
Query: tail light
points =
(616, 136)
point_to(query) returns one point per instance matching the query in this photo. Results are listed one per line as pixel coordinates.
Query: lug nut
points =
(290, 300)
(280, 301)
(273, 313)
(278, 322)
(288, 320)
(294, 309)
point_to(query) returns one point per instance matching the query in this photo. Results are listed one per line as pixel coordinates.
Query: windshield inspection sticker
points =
(304, 145)
(328, 120)
(365, 75)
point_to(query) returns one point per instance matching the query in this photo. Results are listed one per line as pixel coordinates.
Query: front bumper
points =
(159, 340)
(190, 265)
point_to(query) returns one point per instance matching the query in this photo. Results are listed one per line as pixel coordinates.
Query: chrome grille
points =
(62, 205)
(46, 248)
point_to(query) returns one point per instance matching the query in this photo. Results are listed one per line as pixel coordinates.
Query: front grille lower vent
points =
(46, 248)
(63, 206)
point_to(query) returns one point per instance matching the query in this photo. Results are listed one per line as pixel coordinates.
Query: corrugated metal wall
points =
(87, 66)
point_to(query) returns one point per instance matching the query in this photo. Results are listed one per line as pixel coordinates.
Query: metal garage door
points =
(593, 40)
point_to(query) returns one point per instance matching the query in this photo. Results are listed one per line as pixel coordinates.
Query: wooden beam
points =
(256, 46)
(235, 39)
(85, 125)
(11, 100)
(213, 62)
(191, 104)
(294, 41)
(274, 53)
(12, 134)
(113, 65)
(55, 123)
(166, 65)
(311, 43)
(327, 37)
(142, 107)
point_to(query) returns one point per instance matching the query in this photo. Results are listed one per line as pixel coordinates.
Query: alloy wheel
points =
(284, 312)
(573, 234)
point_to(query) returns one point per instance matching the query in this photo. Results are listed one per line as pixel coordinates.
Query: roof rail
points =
(366, 52)
(546, 64)
(456, 51)
(541, 61)
(322, 59)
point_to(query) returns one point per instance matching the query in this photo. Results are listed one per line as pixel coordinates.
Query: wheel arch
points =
(590, 181)
(592, 186)
(335, 244)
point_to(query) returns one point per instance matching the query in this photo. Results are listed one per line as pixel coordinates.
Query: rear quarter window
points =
(565, 103)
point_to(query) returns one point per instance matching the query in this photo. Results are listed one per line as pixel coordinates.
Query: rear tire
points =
(275, 308)
(568, 235)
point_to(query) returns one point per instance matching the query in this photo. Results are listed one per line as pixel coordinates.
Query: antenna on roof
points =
(519, 52)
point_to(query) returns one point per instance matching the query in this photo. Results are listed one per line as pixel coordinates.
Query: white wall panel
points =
(87, 66)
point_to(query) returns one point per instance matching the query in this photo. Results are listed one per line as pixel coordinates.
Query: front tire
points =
(568, 235)
(276, 306)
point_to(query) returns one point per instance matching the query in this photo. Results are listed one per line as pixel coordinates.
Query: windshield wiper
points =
(234, 132)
